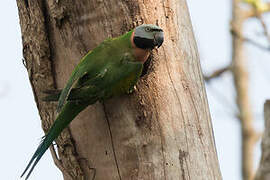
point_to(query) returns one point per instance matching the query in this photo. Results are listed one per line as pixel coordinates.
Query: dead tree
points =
(162, 131)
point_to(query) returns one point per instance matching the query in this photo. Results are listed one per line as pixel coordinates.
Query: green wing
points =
(108, 82)
(78, 73)
(122, 80)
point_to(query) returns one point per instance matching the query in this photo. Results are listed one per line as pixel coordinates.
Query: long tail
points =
(52, 95)
(68, 113)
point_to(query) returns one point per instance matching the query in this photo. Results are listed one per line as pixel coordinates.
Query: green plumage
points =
(109, 70)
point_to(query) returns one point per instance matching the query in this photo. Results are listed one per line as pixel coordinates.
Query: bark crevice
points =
(112, 141)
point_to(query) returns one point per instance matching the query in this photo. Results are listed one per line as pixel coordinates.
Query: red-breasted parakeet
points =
(111, 69)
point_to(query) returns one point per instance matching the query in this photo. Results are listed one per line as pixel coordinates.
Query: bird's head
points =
(148, 36)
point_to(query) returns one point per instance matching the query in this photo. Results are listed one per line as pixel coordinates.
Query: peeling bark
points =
(163, 130)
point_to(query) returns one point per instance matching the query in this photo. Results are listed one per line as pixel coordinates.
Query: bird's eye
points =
(147, 29)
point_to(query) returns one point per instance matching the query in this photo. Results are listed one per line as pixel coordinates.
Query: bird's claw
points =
(131, 90)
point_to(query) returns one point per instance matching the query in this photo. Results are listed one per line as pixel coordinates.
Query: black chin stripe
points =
(144, 43)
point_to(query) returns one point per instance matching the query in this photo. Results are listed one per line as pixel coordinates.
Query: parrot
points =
(111, 69)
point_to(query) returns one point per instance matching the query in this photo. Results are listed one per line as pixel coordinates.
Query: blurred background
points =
(213, 27)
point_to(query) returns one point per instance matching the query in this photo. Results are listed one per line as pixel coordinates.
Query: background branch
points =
(241, 83)
(265, 30)
(248, 40)
(217, 73)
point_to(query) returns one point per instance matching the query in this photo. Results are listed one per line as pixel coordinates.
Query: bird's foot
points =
(131, 90)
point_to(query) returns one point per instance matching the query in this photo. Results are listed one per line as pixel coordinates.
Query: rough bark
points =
(241, 81)
(163, 130)
(263, 172)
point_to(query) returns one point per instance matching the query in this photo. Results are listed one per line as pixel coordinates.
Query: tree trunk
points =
(161, 131)
(263, 172)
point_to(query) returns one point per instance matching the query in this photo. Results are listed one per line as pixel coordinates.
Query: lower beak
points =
(159, 38)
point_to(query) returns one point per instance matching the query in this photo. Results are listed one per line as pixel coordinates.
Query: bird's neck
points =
(140, 54)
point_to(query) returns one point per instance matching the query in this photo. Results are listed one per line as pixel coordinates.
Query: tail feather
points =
(52, 95)
(52, 91)
(76, 94)
(68, 113)
(76, 74)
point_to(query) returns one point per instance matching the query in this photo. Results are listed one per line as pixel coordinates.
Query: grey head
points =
(148, 36)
